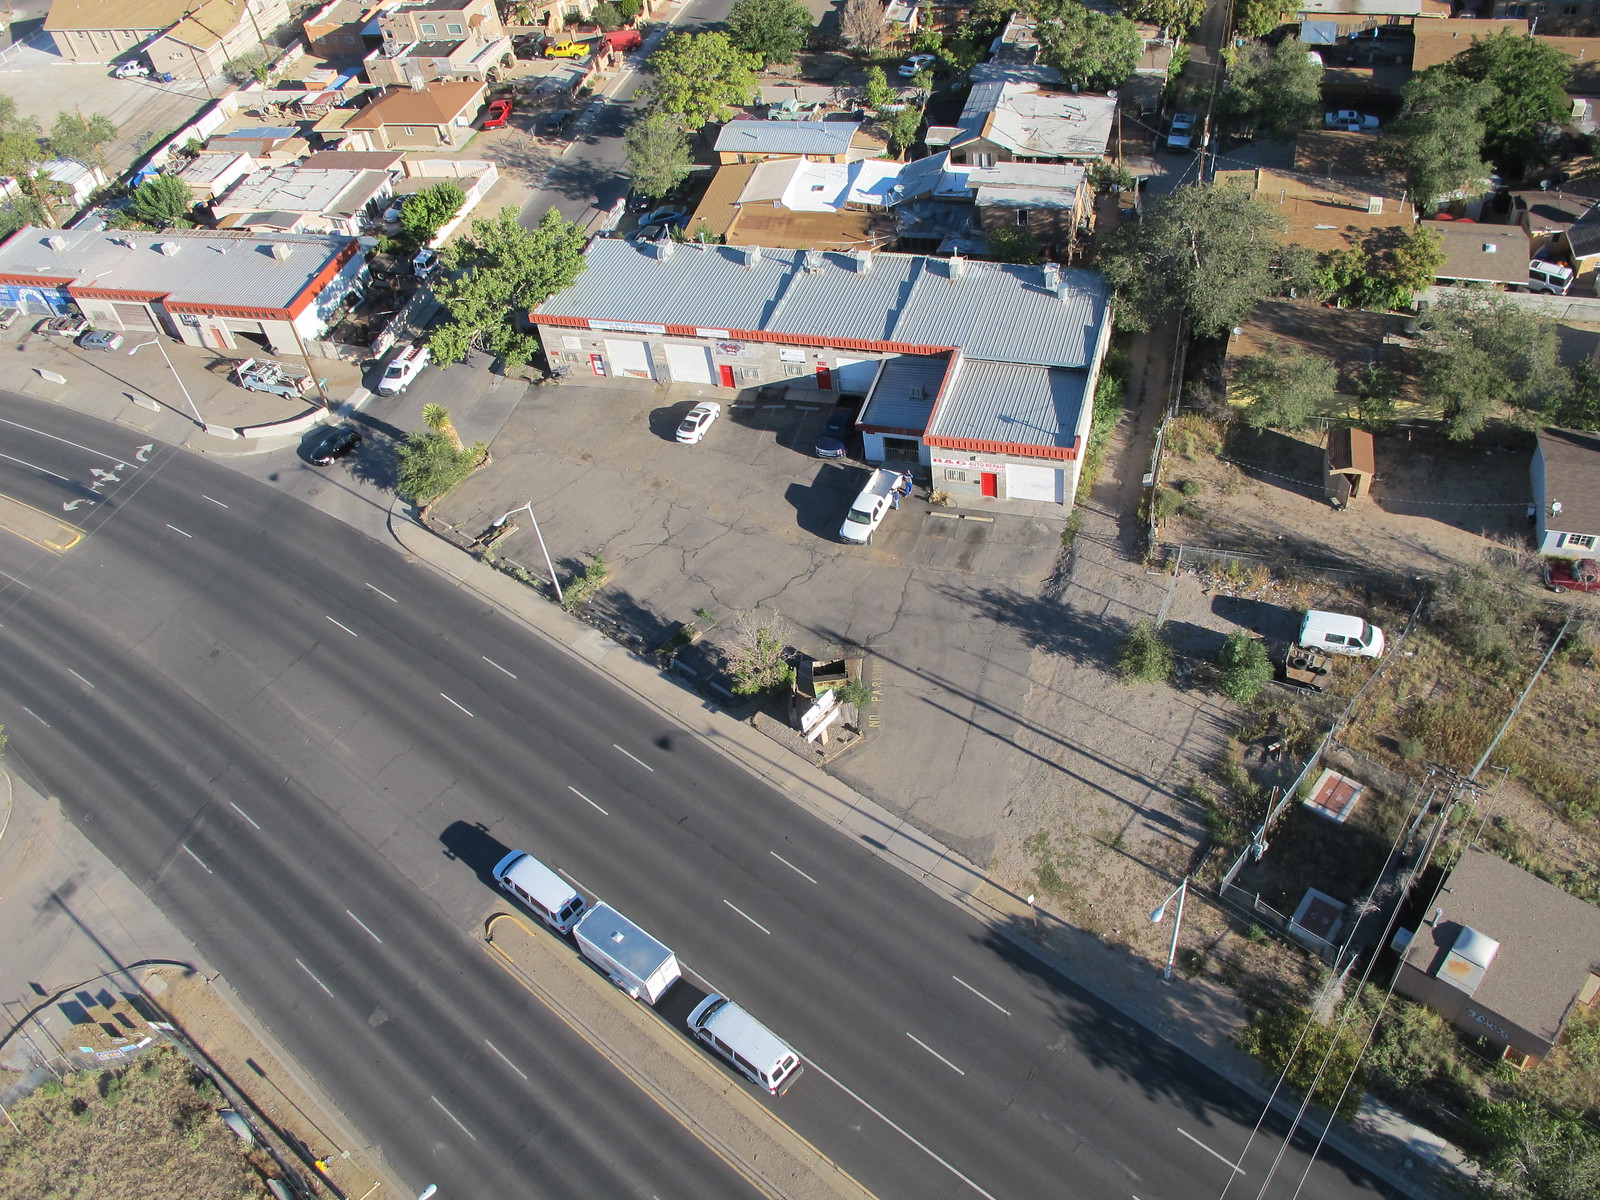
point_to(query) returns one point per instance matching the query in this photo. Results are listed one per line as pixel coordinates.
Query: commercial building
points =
(207, 288)
(988, 405)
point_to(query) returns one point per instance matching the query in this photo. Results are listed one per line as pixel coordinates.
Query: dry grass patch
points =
(149, 1129)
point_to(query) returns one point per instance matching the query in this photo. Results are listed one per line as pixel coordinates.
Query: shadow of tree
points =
(1084, 638)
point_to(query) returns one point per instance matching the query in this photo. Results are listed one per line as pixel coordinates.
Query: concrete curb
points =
(1115, 978)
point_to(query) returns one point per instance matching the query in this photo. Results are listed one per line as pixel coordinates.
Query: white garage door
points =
(1033, 483)
(629, 359)
(854, 376)
(688, 363)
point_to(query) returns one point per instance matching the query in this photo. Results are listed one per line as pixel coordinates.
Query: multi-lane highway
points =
(308, 751)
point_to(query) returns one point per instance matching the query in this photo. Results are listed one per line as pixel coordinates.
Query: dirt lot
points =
(1433, 503)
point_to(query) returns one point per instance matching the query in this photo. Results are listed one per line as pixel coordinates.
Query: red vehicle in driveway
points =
(499, 113)
(623, 40)
(1572, 574)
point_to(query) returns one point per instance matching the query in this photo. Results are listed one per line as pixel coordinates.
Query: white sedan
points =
(694, 426)
(915, 63)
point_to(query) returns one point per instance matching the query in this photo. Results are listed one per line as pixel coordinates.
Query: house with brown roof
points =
(1439, 41)
(440, 114)
(1327, 214)
(1476, 253)
(1504, 956)
(1547, 213)
(439, 39)
(1566, 493)
(1571, 17)
(336, 29)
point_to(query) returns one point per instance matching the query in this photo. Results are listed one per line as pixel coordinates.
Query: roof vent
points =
(167, 248)
(752, 255)
(665, 248)
(57, 242)
(1374, 204)
(1490, 248)
(1052, 275)
(813, 261)
(863, 261)
(280, 250)
(958, 267)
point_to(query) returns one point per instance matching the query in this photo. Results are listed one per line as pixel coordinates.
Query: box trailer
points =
(635, 961)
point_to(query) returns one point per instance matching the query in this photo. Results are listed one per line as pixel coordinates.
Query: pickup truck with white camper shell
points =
(867, 509)
(635, 961)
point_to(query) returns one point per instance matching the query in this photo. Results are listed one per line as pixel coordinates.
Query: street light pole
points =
(528, 508)
(156, 342)
(1180, 892)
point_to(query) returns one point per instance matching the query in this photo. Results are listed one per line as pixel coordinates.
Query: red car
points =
(1572, 574)
(499, 113)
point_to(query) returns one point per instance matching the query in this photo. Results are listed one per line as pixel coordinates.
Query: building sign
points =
(571, 343)
(731, 349)
(627, 326)
(1489, 1025)
(967, 464)
(791, 356)
(712, 333)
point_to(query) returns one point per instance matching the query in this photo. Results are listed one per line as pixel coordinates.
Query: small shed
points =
(1349, 457)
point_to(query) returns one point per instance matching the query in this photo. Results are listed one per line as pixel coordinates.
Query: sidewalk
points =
(1191, 1015)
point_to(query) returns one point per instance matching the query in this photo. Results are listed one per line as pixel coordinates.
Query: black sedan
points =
(335, 442)
(835, 436)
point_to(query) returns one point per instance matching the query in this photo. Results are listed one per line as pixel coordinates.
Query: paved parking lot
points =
(749, 519)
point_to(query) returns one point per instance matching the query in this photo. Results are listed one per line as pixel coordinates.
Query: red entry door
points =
(726, 372)
(991, 484)
(824, 379)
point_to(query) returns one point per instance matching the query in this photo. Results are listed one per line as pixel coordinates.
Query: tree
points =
(494, 276)
(437, 418)
(630, 10)
(1286, 388)
(1145, 656)
(774, 31)
(861, 25)
(902, 126)
(430, 467)
(21, 152)
(607, 16)
(1206, 252)
(1012, 244)
(1277, 89)
(1530, 80)
(1480, 352)
(1257, 18)
(1385, 272)
(658, 154)
(696, 77)
(162, 202)
(80, 137)
(1244, 668)
(1376, 393)
(19, 211)
(1089, 48)
(756, 654)
(1438, 139)
(1538, 1152)
(1173, 16)
(877, 94)
(1581, 409)
(424, 213)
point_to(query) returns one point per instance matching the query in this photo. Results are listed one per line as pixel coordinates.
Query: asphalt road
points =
(310, 752)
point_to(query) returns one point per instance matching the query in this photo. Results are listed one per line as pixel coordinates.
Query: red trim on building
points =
(89, 293)
(229, 310)
(49, 281)
(1015, 449)
(322, 278)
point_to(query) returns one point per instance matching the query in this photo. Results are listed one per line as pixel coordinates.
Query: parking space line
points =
(242, 813)
(494, 664)
(79, 678)
(214, 500)
(935, 1053)
(175, 529)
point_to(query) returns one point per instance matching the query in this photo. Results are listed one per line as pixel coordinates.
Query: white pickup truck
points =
(402, 369)
(867, 509)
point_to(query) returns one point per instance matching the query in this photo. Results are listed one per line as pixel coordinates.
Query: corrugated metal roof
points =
(209, 268)
(989, 310)
(786, 137)
(1005, 402)
(906, 390)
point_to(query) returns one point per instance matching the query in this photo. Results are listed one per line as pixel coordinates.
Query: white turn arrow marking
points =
(69, 505)
(144, 451)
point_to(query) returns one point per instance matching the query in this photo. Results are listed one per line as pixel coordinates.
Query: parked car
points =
(623, 39)
(693, 427)
(425, 263)
(915, 63)
(665, 216)
(497, 114)
(69, 326)
(335, 443)
(101, 339)
(1572, 575)
(1182, 132)
(833, 442)
(657, 232)
(1340, 633)
(555, 123)
(1349, 120)
(131, 70)
(567, 48)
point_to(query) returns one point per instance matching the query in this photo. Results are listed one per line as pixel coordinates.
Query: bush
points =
(581, 590)
(1272, 1036)
(431, 467)
(1145, 656)
(1244, 667)
(1166, 504)
(1191, 488)
(857, 692)
(1489, 614)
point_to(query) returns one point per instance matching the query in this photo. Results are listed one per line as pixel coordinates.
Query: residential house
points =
(1439, 41)
(1566, 493)
(214, 33)
(751, 141)
(1584, 53)
(1478, 253)
(268, 145)
(98, 31)
(1567, 17)
(1327, 214)
(443, 39)
(989, 407)
(1581, 246)
(1016, 113)
(1050, 200)
(1547, 213)
(204, 287)
(440, 114)
(304, 200)
(75, 181)
(344, 29)
(210, 174)
(1339, 154)
(795, 203)
(902, 18)
(1504, 955)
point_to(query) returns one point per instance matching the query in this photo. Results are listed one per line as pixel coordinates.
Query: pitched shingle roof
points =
(1572, 476)
(436, 104)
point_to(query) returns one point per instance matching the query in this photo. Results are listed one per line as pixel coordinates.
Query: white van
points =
(753, 1049)
(402, 369)
(541, 889)
(1338, 633)
(1546, 276)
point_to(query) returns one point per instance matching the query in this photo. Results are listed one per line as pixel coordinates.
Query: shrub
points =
(1191, 488)
(857, 692)
(1244, 666)
(581, 590)
(1489, 614)
(1272, 1036)
(1145, 656)
(1166, 504)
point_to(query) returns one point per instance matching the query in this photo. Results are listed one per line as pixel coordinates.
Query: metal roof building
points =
(824, 139)
(992, 360)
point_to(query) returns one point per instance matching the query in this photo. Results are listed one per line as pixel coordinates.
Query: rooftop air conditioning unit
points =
(280, 250)
(57, 242)
(1374, 204)
(168, 248)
